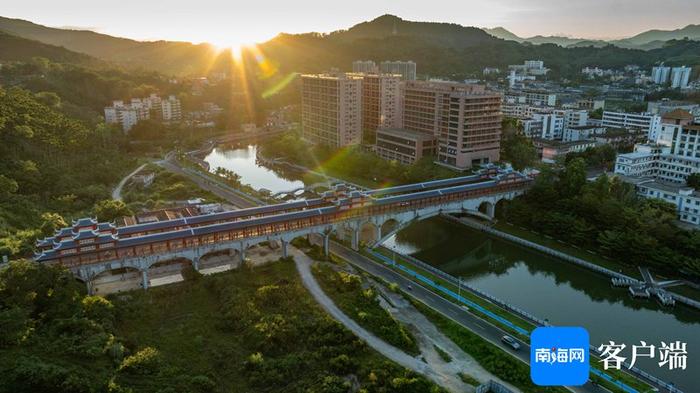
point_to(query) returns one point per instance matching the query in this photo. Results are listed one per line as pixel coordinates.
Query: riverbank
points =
(563, 256)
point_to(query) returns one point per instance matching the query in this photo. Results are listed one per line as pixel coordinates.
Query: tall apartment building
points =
(331, 109)
(531, 97)
(126, 114)
(466, 119)
(407, 69)
(544, 125)
(170, 109)
(638, 121)
(364, 66)
(381, 103)
(660, 74)
(680, 76)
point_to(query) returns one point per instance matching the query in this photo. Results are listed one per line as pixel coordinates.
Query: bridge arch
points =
(487, 208)
(369, 232)
(123, 278)
(389, 226)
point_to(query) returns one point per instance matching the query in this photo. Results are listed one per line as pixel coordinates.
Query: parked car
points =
(510, 341)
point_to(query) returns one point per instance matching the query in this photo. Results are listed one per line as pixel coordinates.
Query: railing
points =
(492, 386)
(509, 307)
(566, 257)
(525, 315)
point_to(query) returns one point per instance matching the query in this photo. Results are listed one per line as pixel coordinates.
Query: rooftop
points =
(407, 134)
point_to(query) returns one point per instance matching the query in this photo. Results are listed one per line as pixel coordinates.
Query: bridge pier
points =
(491, 210)
(242, 252)
(90, 287)
(195, 263)
(144, 278)
(326, 244)
(355, 239)
(284, 248)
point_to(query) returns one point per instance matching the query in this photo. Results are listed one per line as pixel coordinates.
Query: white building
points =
(126, 115)
(672, 164)
(581, 133)
(548, 126)
(680, 76)
(659, 75)
(638, 121)
(407, 69)
(171, 109)
(573, 118)
(364, 66)
(686, 199)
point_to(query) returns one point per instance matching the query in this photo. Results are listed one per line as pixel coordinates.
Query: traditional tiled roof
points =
(84, 222)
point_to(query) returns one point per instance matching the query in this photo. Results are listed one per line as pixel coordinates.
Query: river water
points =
(242, 160)
(548, 288)
(560, 292)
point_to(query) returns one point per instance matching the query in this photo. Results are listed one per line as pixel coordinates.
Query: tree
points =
(694, 180)
(51, 222)
(110, 210)
(573, 177)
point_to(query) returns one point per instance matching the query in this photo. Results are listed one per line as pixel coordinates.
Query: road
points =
(117, 192)
(483, 328)
(170, 164)
(303, 265)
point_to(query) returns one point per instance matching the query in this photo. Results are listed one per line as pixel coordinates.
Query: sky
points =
(234, 22)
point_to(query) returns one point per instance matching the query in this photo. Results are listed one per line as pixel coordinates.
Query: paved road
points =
(477, 325)
(170, 164)
(117, 192)
(303, 264)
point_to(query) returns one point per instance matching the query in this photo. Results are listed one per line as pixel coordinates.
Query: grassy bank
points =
(362, 305)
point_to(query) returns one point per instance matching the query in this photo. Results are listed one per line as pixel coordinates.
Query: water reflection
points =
(242, 160)
(553, 289)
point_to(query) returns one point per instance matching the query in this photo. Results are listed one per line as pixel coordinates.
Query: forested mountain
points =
(691, 32)
(50, 164)
(651, 39)
(440, 49)
(168, 57)
(14, 48)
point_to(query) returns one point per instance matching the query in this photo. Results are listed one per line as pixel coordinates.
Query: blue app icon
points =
(559, 356)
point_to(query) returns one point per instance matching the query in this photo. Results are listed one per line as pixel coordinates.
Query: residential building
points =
(671, 125)
(680, 76)
(364, 66)
(686, 199)
(530, 97)
(666, 105)
(549, 151)
(404, 146)
(573, 118)
(671, 164)
(520, 111)
(590, 104)
(466, 119)
(637, 121)
(491, 71)
(530, 67)
(171, 109)
(660, 74)
(407, 69)
(126, 115)
(331, 109)
(580, 133)
(544, 125)
(381, 103)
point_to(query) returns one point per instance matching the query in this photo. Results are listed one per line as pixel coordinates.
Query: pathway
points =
(117, 192)
(449, 381)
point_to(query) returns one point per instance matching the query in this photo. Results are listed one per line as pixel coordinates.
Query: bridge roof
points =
(433, 193)
(223, 216)
(424, 185)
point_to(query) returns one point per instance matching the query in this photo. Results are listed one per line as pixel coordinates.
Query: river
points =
(560, 292)
(242, 160)
(548, 288)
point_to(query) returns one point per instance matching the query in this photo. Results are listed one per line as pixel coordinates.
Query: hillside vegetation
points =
(239, 331)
